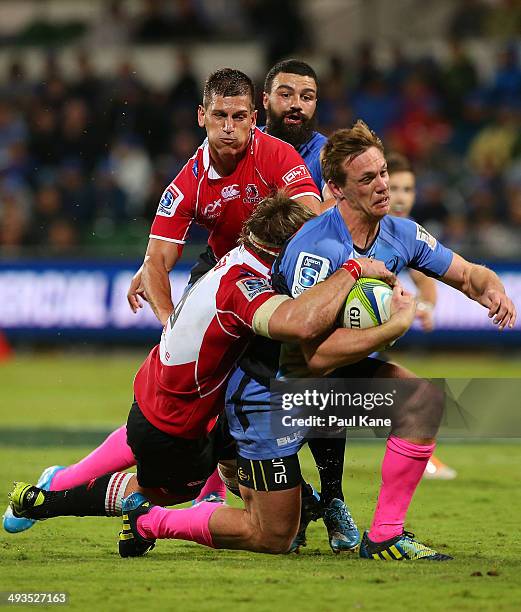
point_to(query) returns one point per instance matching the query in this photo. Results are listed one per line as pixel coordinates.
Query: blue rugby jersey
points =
(324, 244)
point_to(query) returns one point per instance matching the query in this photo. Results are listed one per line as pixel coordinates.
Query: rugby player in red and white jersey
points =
(179, 392)
(221, 184)
(218, 188)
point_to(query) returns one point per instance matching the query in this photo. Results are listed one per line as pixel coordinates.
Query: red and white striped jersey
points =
(180, 386)
(222, 204)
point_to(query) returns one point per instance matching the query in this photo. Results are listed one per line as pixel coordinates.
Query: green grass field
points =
(475, 518)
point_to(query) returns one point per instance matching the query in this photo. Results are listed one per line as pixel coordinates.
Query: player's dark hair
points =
(228, 82)
(291, 66)
(346, 144)
(396, 162)
(274, 220)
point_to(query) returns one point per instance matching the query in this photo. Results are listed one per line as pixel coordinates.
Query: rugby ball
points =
(367, 305)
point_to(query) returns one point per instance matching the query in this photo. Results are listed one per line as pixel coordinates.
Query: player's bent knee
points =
(275, 541)
(277, 546)
(271, 489)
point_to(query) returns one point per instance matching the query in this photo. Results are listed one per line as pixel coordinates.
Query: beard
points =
(294, 135)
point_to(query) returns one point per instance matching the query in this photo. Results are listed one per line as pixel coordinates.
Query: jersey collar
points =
(255, 262)
(347, 234)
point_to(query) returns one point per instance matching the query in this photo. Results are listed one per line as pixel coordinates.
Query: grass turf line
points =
(50, 391)
(471, 518)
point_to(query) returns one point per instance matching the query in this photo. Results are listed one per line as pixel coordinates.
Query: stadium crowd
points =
(83, 162)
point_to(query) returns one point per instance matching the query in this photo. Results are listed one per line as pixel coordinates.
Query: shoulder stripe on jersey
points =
(187, 229)
(223, 328)
(219, 384)
(306, 193)
(167, 239)
(198, 190)
(235, 315)
(261, 177)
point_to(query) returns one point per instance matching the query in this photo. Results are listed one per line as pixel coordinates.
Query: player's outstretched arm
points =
(482, 285)
(160, 258)
(315, 311)
(345, 346)
(425, 298)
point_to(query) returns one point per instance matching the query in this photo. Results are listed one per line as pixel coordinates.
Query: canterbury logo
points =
(230, 191)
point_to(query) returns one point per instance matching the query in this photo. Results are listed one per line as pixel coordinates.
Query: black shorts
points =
(277, 474)
(179, 465)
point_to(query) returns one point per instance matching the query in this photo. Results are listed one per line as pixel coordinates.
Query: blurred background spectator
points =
(90, 138)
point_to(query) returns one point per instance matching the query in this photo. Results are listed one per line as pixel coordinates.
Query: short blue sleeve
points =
(429, 255)
(312, 255)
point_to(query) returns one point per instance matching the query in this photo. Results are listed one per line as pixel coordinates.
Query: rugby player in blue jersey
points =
(354, 166)
(290, 102)
(268, 472)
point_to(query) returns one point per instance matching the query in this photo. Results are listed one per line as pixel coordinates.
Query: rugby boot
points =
(14, 524)
(341, 528)
(400, 548)
(131, 543)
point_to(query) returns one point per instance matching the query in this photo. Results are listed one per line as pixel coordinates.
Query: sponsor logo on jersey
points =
(252, 287)
(252, 194)
(195, 168)
(296, 174)
(212, 210)
(169, 201)
(230, 192)
(310, 270)
(423, 235)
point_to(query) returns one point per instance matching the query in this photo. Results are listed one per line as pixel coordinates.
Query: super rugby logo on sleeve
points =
(310, 270)
(252, 287)
(298, 173)
(423, 235)
(169, 201)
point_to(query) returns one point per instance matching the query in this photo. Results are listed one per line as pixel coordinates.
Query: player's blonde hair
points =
(346, 144)
(272, 223)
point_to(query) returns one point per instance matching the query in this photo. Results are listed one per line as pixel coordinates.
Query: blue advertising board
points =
(86, 300)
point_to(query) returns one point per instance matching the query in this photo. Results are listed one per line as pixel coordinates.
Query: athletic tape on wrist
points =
(353, 267)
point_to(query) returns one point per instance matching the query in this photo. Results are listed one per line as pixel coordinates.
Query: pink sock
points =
(402, 469)
(214, 484)
(113, 455)
(184, 524)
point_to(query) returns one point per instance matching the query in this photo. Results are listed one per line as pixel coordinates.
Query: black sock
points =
(85, 500)
(328, 454)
